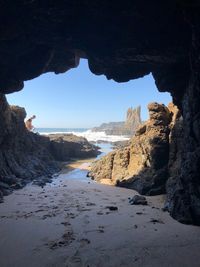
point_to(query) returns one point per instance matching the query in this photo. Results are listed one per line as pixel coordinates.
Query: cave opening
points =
(80, 99)
(84, 224)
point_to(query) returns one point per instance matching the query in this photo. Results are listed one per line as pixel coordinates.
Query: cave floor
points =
(69, 223)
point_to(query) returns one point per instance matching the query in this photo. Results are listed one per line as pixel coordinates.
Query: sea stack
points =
(128, 127)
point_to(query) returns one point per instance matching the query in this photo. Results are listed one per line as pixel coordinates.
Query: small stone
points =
(138, 200)
(112, 208)
(156, 221)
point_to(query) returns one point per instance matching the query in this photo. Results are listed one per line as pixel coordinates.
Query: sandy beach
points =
(77, 222)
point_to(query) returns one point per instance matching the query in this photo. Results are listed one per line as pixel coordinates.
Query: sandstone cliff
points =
(127, 127)
(149, 159)
(25, 156)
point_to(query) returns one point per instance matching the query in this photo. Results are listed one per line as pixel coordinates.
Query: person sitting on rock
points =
(28, 123)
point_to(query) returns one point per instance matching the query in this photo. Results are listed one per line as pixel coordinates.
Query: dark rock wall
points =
(23, 155)
(184, 201)
(123, 40)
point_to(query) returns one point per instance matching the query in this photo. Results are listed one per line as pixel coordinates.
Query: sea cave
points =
(122, 40)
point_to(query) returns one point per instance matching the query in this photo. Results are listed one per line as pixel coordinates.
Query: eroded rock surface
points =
(143, 164)
(67, 146)
(25, 156)
(152, 156)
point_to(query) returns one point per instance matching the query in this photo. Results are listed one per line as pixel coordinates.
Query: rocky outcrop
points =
(123, 40)
(25, 156)
(68, 146)
(128, 127)
(143, 165)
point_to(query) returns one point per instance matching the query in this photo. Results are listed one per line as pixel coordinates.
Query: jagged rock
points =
(128, 127)
(26, 156)
(103, 168)
(141, 130)
(67, 146)
(120, 144)
(176, 141)
(143, 165)
(23, 155)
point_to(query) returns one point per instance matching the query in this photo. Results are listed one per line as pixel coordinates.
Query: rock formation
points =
(123, 40)
(128, 128)
(152, 157)
(25, 156)
(143, 164)
(68, 146)
(133, 120)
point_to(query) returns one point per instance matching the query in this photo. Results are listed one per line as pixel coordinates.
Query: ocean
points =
(85, 132)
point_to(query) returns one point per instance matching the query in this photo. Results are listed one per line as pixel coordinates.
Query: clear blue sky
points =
(79, 98)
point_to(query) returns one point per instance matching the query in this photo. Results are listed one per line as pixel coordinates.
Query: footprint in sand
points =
(66, 239)
(112, 208)
(84, 241)
(154, 221)
(40, 210)
(90, 204)
(100, 213)
(44, 217)
(65, 223)
(140, 213)
(83, 209)
(86, 219)
(97, 190)
(71, 215)
(74, 261)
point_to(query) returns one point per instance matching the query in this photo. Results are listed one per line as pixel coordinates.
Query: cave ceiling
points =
(122, 40)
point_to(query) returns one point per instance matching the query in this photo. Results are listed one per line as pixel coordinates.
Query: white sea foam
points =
(93, 136)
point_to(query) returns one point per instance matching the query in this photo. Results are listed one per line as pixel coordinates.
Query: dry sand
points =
(68, 223)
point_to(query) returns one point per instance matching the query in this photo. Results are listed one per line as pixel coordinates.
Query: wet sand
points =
(69, 223)
(82, 164)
